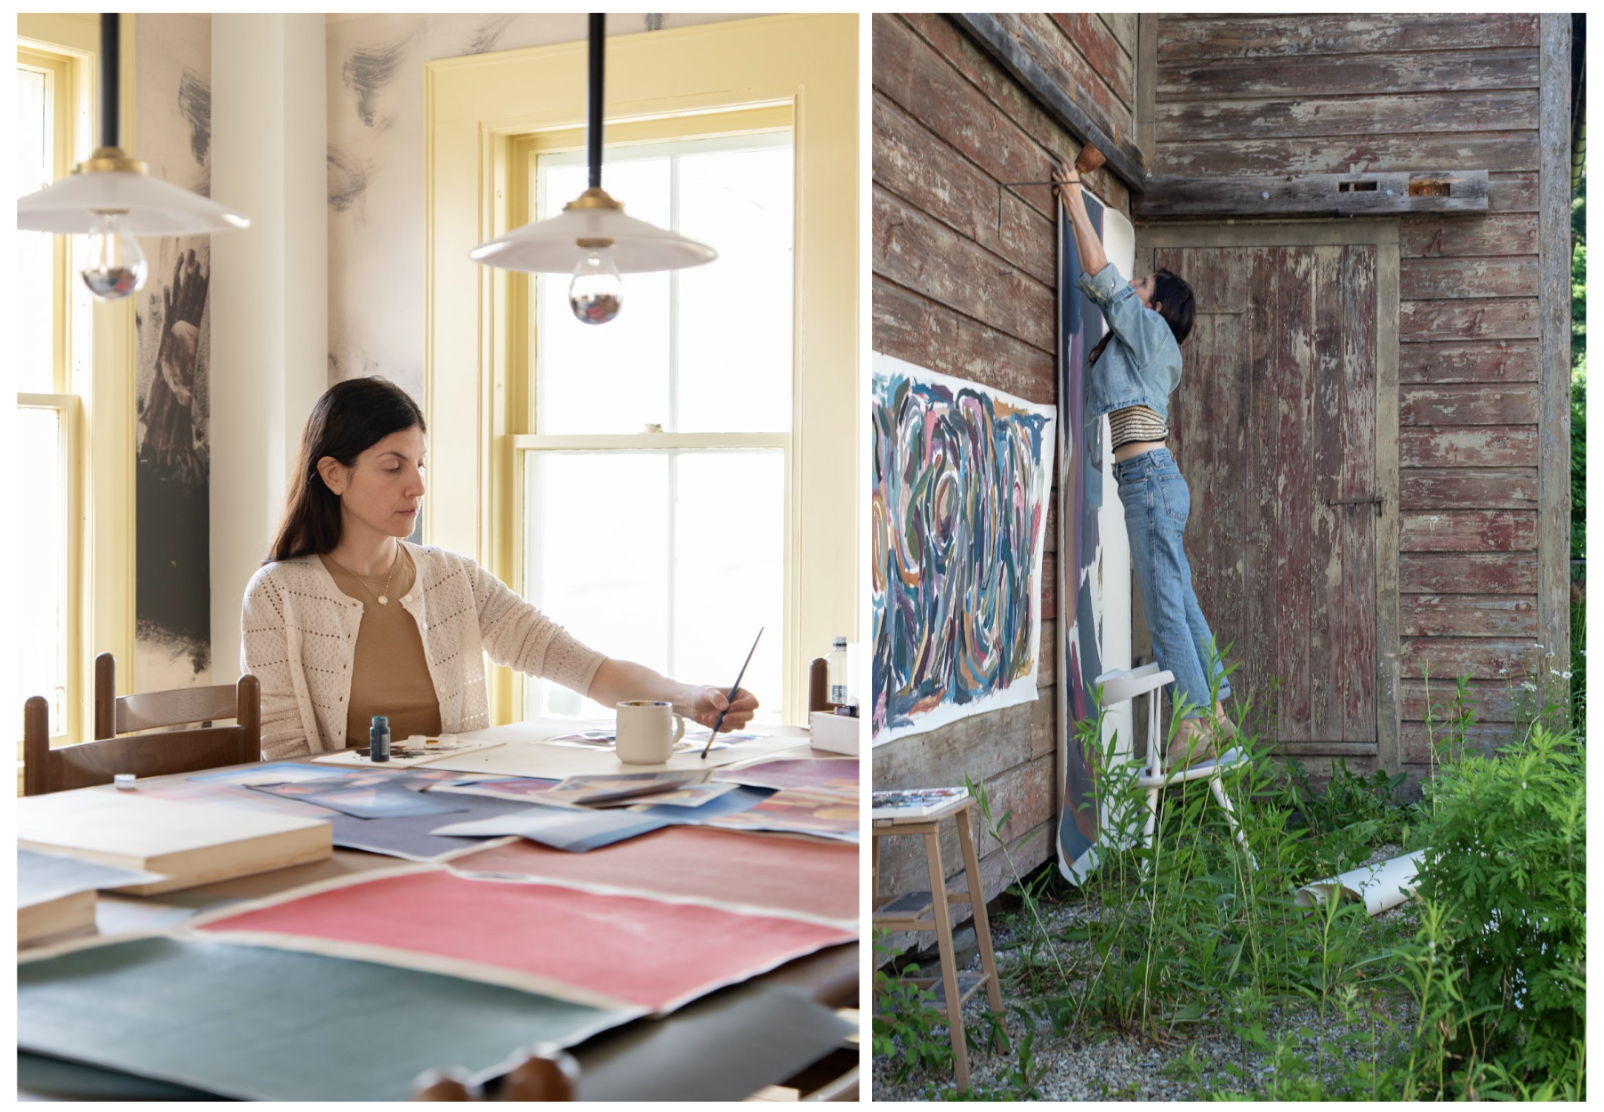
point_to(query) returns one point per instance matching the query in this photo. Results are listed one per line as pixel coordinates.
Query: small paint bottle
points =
(379, 739)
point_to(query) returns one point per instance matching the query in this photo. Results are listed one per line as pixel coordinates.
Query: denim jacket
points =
(1142, 364)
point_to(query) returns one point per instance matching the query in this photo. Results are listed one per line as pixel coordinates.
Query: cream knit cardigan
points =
(299, 641)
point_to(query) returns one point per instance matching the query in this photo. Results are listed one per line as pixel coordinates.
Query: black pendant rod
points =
(110, 48)
(598, 32)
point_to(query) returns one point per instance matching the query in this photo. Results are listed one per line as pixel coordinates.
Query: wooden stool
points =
(913, 912)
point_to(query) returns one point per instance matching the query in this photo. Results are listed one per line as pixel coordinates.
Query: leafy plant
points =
(909, 1028)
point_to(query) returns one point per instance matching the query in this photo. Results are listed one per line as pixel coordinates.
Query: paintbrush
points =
(730, 698)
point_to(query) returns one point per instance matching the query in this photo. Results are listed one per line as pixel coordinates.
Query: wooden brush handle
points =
(1089, 159)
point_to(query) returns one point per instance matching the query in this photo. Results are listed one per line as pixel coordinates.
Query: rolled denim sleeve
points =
(1142, 330)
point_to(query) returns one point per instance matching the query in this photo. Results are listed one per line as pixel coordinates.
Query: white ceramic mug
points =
(647, 731)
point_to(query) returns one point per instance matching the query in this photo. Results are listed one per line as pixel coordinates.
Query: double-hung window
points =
(654, 488)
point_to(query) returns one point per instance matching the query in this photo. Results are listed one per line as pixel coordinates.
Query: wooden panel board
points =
(1123, 26)
(1187, 38)
(1482, 319)
(1470, 531)
(189, 844)
(1483, 738)
(1489, 701)
(1361, 283)
(1489, 488)
(1293, 436)
(1469, 361)
(1490, 446)
(1188, 121)
(1468, 405)
(1468, 572)
(1433, 237)
(1425, 279)
(1095, 41)
(1395, 73)
(1484, 658)
(1467, 615)
(1366, 153)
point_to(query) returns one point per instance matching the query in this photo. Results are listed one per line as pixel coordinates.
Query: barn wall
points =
(1333, 94)
(964, 284)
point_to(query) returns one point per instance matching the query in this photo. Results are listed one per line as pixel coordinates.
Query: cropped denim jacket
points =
(1142, 364)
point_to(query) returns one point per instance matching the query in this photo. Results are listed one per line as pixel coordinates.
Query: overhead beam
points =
(1387, 194)
(1017, 49)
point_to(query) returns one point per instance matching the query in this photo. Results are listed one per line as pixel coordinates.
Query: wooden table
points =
(608, 1061)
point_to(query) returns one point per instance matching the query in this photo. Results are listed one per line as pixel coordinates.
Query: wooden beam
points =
(1385, 194)
(1554, 338)
(1009, 45)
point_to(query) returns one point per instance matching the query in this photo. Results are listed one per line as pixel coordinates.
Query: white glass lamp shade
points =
(559, 243)
(149, 206)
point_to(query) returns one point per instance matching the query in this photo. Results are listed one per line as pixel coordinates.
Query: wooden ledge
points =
(1394, 193)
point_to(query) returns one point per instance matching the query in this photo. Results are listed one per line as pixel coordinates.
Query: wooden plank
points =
(1512, 191)
(1067, 68)
(1341, 154)
(1311, 115)
(1187, 38)
(1389, 74)
(1446, 237)
(1264, 195)
(1294, 470)
(1125, 159)
(1483, 658)
(1124, 26)
(1469, 405)
(1490, 488)
(1470, 531)
(1482, 738)
(1468, 573)
(1359, 288)
(1385, 599)
(930, 176)
(1329, 607)
(922, 255)
(1469, 361)
(1468, 615)
(1491, 446)
(1095, 42)
(1261, 525)
(931, 335)
(1553, 459)
(1489, 701)
(1146, 81)
(943, 38)
(1513, 318)
(1426, 279)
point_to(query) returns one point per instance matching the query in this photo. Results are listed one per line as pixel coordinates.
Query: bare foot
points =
(1190, 745)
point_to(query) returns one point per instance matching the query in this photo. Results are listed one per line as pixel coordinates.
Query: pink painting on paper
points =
(643, 951)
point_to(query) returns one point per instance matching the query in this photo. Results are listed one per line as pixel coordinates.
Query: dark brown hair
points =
(351, 417)
(1176, 306)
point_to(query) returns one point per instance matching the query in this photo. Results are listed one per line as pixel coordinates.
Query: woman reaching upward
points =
(1134, 369)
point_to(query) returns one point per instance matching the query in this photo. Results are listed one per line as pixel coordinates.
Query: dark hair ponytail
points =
(1176, 306)
(351, 417)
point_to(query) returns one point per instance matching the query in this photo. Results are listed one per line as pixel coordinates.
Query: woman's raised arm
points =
(1068, 187)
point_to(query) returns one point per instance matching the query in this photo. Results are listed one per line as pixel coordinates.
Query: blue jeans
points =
(1157, 503)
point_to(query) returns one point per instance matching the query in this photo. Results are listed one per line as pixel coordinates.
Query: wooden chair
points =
(144, 754)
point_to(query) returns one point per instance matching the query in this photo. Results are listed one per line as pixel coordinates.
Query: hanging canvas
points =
(1094, 613)
(961, 475)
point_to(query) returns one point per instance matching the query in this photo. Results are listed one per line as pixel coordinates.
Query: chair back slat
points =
(180, 707)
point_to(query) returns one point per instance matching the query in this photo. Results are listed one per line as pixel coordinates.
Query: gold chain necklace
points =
(383, 597)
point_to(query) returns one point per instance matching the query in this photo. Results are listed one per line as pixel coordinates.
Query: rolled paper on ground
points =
(1381, 886)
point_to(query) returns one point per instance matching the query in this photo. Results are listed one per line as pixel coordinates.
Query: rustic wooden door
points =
(1285, 425)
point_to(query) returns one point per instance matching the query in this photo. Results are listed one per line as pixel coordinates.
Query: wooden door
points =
(1285, 425)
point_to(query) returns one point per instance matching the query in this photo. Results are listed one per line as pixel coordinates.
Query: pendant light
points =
(591, 238)
(111, 198)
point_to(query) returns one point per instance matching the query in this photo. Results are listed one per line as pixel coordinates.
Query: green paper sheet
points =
(263, 1024)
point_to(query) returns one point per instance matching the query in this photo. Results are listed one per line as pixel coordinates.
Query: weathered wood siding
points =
(964, 284)
(1315, 94)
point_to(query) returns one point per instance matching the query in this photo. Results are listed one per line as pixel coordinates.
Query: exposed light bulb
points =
(596, 293)
(116, 266)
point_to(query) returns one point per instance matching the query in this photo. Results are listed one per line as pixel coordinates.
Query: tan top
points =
(1136, 422)
(299, 630)
(390, 675)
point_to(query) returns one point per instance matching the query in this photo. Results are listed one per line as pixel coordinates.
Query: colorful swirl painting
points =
(962, 475)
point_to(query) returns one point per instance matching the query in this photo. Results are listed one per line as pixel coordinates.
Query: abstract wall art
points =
(961, 479)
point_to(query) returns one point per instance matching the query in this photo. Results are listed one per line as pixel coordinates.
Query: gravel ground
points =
(1095, 1063)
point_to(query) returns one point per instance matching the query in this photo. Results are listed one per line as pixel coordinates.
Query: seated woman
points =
(347, 620)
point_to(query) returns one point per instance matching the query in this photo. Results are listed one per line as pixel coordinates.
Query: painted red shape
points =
(782, 874)
(641, 950)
